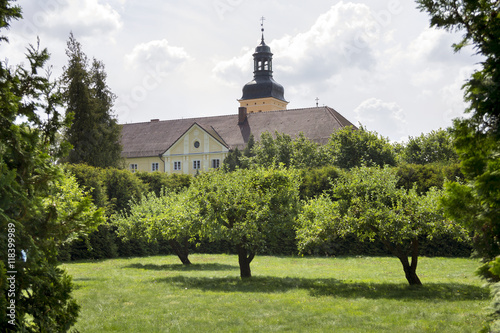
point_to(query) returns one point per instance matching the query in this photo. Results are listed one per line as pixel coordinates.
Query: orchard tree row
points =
(252, 208)
(114, 189)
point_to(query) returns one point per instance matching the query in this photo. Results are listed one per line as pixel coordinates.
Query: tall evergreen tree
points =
(94, 134)
(107, 129)
(476, 203)
(476, 137)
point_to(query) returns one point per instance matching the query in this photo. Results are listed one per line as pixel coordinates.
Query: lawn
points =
(285, 294)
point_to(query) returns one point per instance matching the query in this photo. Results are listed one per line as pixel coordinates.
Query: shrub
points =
(426, 176)
(157, 181)
(316, 181)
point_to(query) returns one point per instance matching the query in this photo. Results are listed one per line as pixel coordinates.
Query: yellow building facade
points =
(195, 151)
(263, 104)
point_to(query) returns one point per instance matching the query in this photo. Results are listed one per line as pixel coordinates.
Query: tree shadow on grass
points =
(181, 267)
(334, 288)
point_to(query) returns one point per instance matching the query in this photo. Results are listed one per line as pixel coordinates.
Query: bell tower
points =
(263, 93)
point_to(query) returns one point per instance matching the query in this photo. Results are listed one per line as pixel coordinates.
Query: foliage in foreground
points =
(477, 137)
(366, 202)
(40, 206)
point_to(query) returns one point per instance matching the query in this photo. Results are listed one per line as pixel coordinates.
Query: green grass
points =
(285, 294)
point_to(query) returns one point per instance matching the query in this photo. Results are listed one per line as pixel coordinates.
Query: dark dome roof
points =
(263, 84)
(263, 48)
(261, 87)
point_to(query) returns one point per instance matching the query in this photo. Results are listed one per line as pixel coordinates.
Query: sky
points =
(377, 62)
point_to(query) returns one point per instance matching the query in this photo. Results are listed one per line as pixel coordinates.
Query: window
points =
(177, 165)
(154, 166)
(197, 144)
(197, 164)
(215, 163)
(133, 167)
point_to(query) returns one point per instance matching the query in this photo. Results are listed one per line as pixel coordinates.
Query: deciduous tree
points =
(281, 149)
(248, 208)
(433, 147)
(170, 216)
(350, 147)
(367, 202)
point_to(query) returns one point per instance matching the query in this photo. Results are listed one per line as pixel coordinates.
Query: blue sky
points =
(376, 62)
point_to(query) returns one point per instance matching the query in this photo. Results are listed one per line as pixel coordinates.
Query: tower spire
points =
(263, 93)
(262, 27)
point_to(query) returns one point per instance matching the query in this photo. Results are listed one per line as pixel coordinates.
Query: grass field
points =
(285, 294)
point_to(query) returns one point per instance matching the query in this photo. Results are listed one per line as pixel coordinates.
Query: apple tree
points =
(249, 208)
(366, 202)
(169, 216)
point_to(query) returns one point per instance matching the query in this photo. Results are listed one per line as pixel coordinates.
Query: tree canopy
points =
(169, 216)
(349, 147)
(248, 208)
(433, 147)
(367, 202)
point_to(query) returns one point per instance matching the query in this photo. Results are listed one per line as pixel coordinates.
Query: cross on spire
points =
(262, 27)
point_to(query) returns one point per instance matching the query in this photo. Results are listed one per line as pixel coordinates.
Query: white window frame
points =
(177, 165)
(155, 166)
(216, 163)
(133, 167)
(197, 164)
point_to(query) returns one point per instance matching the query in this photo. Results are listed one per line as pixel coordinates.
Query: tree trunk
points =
(411, 276)
(244, 259)
(411, 269)
(182, 251)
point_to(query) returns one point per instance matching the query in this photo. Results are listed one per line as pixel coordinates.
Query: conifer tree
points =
(476, 203)
(94, 134)
(41, 207)
(107, 129)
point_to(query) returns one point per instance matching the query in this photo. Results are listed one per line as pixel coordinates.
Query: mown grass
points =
(285, 294)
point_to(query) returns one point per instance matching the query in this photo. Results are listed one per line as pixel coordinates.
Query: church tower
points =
(263, 93)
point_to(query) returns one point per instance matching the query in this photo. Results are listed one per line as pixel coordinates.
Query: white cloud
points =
(84, 17)
(386, 118)
(454, 103)
(156, 54)
(344, 36)
(235, 70)
(341, 37)
(422, 47)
